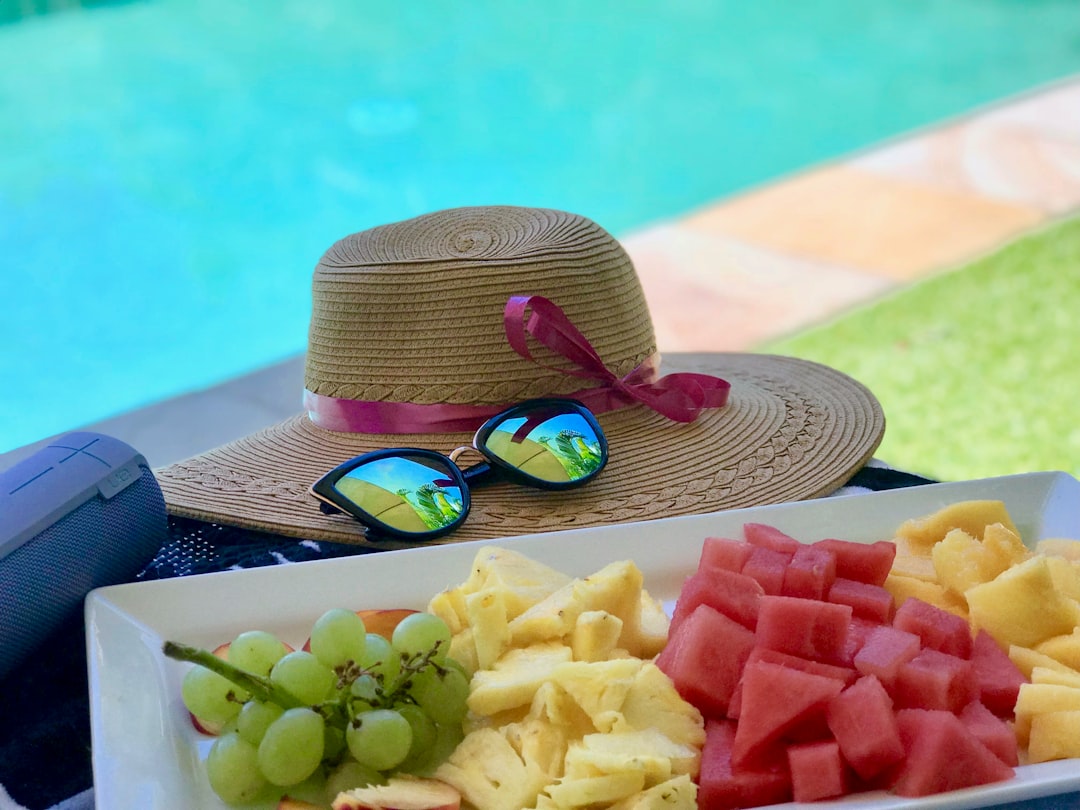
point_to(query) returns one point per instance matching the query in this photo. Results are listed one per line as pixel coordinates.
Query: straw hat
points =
(420, 329)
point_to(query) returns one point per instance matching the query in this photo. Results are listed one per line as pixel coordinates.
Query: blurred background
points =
(171, 170)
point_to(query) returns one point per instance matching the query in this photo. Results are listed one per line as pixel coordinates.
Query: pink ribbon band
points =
(680, 396)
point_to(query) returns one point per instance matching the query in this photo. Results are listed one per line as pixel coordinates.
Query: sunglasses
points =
(413, 494)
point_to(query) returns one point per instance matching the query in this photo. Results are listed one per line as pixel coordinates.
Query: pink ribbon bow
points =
(680, 397)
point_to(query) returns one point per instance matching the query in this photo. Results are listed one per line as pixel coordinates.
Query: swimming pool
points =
(171, 170)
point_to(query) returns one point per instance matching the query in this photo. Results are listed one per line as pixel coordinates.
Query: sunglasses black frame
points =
(491, 468)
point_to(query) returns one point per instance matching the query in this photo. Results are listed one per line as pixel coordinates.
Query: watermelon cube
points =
(885, 651)
(721, 786)
(764, 720)
(817, 770)
(867, 601)
(804, 627)
(845, 675)
(810, 573)
(862, 720)
(999, 679)
(935, 680)
(733, 594)
(768, 566)
(938, 629)
(721, 552)
(863, 562)
(859, 631)
(765, 536)
(941, 754)
(991, 731)
(704, 658)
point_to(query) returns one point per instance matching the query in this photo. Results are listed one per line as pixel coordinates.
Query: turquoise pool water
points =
(171, 170)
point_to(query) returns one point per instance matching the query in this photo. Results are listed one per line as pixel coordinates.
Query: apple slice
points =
(289, 803)
(401, 793)
(383, 622)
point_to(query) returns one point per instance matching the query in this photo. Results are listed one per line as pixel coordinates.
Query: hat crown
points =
(413, 311)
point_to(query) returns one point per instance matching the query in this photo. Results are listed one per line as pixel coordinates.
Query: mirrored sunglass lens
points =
(412, 494)
(553, 444)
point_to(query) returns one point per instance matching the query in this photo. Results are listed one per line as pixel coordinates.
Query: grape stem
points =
(260, 688)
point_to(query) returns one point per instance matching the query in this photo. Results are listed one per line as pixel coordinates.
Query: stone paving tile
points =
(1027, 153)
(183, 426)
(707, 292)
(862, 220)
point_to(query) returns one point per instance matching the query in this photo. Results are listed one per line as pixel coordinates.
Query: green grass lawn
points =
(977, 369)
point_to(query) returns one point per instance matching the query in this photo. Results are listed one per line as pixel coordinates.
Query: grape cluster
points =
(352, 706)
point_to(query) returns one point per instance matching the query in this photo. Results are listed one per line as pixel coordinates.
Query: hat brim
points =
(792, 430)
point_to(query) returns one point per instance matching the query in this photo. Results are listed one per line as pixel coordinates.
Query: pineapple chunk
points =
(515, 678)
(652, 702)
(584, 761)
(1004, 549)
(972, 516)
(598, 687)
(1037, 699)
(962, 561)
(551, 618)
(678, 793)
(1059, 547)
(597, 790)
(959, 561)
(488, 773)
(449, 605)
(1022, 606)
(904, 587)
(523, 580)
(654, 626)
(595, 635)
(1054, 735)
(661, 757)
(1066, 575)
(912, 561)
(1027, 659)
(615, 589)
(1061, 677)
(1064, 648)
(486, 610)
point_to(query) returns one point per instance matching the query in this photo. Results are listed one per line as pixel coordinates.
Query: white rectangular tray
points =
(147, 755)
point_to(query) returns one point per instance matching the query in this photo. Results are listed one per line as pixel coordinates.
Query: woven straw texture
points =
(413, 312)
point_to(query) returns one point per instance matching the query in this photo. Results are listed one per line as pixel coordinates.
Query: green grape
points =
(301, 674)
(233, 770)
(256, 651)
(350, 775)
(254, 718)
(379, 739)
(337, 637)
(446, 740)
(420, 632)
(443, 696)
(292, 747)
(333, 743)
(366, 688)
(380, 658)
(210, 697)
(423, 731)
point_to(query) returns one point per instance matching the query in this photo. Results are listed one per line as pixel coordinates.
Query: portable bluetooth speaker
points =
(83, 512)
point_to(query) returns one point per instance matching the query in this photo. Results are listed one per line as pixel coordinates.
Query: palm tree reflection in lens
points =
(563, 447)
(408, 493)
